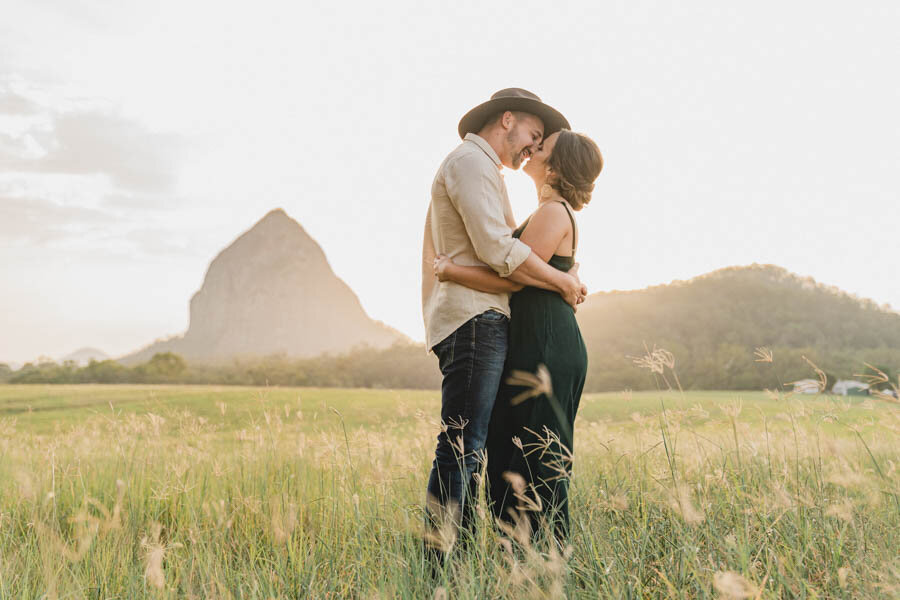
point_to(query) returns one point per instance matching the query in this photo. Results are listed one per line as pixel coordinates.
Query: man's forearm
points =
(536, 273)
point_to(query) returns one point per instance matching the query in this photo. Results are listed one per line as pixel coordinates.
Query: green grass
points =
(280, 492)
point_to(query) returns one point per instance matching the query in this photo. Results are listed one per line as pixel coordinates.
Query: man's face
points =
(524, 133)
(537, 165)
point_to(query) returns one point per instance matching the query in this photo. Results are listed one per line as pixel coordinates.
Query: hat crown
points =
(514, 99)
(515, 93)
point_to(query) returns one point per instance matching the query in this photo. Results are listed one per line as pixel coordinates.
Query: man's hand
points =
(570, 290)
(537, 273)
(574, 273)
(573, 291)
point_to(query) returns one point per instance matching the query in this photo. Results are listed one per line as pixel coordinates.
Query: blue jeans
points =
(471, 360)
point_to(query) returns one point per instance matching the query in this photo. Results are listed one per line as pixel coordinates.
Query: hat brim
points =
(475, 119)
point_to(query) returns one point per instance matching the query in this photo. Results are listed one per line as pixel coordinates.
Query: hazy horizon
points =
(137, 141)
(118, 355)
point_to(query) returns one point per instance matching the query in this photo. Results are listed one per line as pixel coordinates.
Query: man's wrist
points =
(450, 270)
(559, 281)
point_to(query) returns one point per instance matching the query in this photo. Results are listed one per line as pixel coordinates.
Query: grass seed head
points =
(682, 504)
(842, 511)
(154, 553)
(537, 384)
(763, 354)
(732, 586)
(843, 575)
(442, 524)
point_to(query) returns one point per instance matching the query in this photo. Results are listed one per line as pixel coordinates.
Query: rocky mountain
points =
(83, 356)
(272, 291)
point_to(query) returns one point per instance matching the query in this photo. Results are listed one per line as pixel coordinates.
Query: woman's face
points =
(536, 167)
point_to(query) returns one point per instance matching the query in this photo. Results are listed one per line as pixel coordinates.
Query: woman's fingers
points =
(440, 263)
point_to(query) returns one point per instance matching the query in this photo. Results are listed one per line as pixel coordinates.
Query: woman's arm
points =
(483, 279)
(547, 229)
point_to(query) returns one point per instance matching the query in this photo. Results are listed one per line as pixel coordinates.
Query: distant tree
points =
(164, 366)
(46, 371)
(104, 371)
(44, 361)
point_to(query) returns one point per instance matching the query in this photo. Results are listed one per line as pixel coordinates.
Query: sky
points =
(138, 139)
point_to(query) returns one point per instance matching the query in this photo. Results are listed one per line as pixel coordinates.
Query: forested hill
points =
(713, 323)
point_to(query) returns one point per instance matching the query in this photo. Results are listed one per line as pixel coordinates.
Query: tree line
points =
(407, 366)
(712, 325)
(403, 366)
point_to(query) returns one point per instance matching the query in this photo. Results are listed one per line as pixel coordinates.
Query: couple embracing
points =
(500, 299)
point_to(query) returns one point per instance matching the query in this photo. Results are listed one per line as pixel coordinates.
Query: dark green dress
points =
(542, 330)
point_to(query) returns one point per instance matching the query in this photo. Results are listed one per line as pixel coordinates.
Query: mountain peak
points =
(276, 214)
(83, 356)
(272, 290)
(277, 220)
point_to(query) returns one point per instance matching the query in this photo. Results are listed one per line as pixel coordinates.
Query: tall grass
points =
(313, 493)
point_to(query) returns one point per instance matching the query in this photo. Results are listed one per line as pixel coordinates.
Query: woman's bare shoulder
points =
(552, 213)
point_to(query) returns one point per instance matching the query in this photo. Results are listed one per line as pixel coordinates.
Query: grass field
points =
(209, 492)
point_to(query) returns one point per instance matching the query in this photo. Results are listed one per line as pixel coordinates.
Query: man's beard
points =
(517, 157)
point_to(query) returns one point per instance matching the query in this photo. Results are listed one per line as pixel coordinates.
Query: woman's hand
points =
(441, 264)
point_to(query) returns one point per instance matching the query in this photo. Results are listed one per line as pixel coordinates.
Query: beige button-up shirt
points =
(471, 221)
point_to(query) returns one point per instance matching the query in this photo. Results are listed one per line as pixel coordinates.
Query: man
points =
(470, 220)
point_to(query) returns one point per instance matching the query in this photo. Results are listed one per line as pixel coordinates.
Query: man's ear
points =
(507, 120)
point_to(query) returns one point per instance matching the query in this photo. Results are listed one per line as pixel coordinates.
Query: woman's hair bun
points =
(576, 162)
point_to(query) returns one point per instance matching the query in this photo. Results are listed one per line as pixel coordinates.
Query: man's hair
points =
(494, 119)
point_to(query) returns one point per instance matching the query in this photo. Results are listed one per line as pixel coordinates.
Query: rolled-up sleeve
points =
(474, 188)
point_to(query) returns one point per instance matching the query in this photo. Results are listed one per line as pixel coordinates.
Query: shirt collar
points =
(482, 143)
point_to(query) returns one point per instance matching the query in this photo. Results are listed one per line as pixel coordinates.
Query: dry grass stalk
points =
(682, 504)
(657, 361)
(153, 559)
(879, 377)
(443, 524)
(772, 394)
(538, 383)
(542, 574)
(440, 593)
(821, 378)
(733, 586)
(617, 502)
(87, 526)
(842, 511)
(763, 354)
(733, 411)
(554, 454)
(284, 519)
(154, 553)
(520, 490)
(843, 576)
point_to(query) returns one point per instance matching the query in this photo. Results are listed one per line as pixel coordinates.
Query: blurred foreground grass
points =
(223, 492)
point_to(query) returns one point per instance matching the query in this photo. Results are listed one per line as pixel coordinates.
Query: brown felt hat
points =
(512, 99)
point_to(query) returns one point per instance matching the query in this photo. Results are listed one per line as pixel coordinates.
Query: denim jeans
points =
(471, 361)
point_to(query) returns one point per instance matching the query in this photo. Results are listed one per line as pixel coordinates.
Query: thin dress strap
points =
(574, 228)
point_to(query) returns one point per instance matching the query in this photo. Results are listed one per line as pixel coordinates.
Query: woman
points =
(530, 441)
